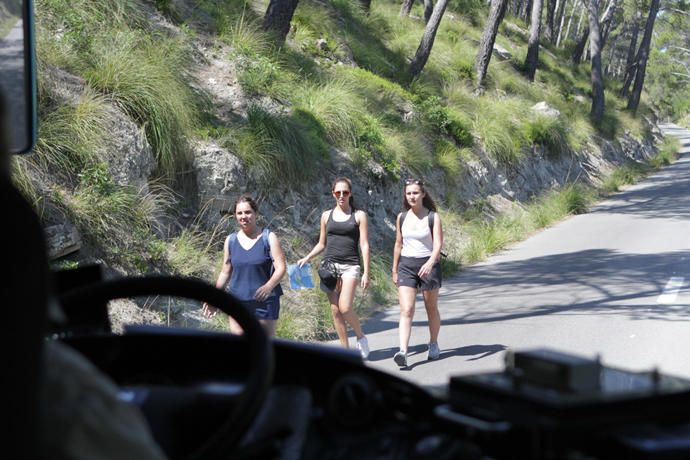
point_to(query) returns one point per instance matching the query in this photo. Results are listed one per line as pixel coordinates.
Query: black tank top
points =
(342, 240)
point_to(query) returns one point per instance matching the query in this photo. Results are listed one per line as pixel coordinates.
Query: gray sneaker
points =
(434, 351)
(400, 359)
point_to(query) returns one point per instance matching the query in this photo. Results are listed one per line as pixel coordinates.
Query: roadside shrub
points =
(668, 152)
(280, 148)
(546, 131)
(145, 77)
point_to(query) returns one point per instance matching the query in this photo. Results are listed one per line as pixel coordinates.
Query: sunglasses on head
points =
(414, 182)
(341, 193)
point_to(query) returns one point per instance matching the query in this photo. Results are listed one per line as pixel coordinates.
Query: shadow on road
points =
(476, 352)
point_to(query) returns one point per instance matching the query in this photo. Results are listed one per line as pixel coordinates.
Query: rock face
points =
(295, 211)
(62, 239)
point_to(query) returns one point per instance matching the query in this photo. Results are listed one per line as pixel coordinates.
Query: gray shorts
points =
(408, 267)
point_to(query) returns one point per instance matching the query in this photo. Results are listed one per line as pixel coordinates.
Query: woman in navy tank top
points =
(253, 265)
(344, 233)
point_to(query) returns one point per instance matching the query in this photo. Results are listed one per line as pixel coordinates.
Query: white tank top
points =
(416, 235)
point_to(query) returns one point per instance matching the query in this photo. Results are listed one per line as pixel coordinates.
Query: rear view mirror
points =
(17, 73)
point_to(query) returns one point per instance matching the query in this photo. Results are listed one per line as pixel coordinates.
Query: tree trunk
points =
(532, 58)
(424, 49)
(570, 22)
(580, 46)
(406, 7)
(550, 13)
(278, 16)
(428, 10)
(526, 11)
(610, 65)
(579, 21)
(559, 19)
(607, 24)
(516, 7)
(597, 112)
(630, 61)
(486, 45)
(642, 56)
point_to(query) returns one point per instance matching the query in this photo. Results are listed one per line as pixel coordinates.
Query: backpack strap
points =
(231, 241)
(267, 244)
(431, 228)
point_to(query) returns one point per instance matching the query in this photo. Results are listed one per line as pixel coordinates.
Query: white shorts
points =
(348, 271)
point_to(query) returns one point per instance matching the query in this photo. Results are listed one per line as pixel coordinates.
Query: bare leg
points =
(431, 304)
(347, 297)
(269, 326)
(338, 320)
(235, 327)
(407, 296)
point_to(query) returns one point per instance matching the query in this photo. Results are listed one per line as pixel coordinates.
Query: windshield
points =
(428, 205)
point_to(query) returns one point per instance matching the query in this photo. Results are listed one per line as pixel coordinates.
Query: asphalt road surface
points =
(613, 283)
(12, 83)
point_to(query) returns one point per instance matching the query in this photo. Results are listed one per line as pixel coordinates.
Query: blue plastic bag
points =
(300, 277)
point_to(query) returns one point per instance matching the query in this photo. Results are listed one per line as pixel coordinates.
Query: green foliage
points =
(557, 204)
(497, 125)
(624, 175)
(546, 131)
(667, 154)
(259, 74)
(280, 148)
(336, 106)
(144, 76)
(450, 159)
(70, 135)
(189, 254)
(97, 178)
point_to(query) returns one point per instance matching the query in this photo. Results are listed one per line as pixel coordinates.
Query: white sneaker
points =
(434, 351)
(400, 358)
(363, 346)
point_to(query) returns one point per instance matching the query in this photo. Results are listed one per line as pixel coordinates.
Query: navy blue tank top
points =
(251, 268)
(342, 240)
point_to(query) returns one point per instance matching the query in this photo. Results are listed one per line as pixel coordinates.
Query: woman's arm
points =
(364, 247)
(321, 245)
(279, 268)
(222, 281)
(437, 237)
(398, 247)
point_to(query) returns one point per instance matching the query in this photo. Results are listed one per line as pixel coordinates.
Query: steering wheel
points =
(227, 437)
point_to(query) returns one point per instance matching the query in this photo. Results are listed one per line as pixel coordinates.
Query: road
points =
(12, 82)
(613, 282)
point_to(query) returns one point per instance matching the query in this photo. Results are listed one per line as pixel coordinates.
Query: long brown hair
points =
(427, 201)
(351, 201)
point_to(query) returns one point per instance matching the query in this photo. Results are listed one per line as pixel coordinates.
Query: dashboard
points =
(325, 403)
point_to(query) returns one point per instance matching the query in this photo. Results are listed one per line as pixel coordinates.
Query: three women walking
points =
(254, 263)
(416, 265)
(344, 233)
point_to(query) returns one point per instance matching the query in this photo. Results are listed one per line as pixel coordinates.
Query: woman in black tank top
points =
(344, 234)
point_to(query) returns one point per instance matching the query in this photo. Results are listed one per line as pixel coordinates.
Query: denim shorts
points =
(268, 309)
(408, 267)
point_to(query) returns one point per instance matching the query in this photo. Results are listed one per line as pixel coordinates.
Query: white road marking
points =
(668, 296)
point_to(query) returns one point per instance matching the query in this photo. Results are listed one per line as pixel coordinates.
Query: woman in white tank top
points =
(416, 264)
